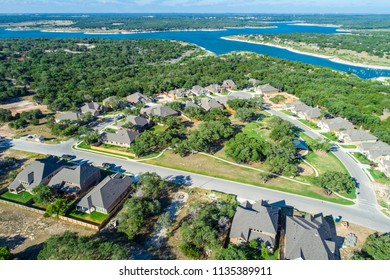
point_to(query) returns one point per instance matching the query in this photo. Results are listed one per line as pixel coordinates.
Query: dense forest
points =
(134, 22)
(160, 22)
(119, 67)
(374, 43)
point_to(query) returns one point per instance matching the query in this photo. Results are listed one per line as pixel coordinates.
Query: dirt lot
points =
(18, 105)
(20, 229)
(361, 233)
(289, 99)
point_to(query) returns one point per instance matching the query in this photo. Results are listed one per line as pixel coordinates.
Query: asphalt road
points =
(363, 214)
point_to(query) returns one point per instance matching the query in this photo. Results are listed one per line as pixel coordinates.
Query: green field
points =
(94, 217)
(21, 198)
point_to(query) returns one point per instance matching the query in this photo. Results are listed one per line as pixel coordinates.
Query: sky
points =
(195, 6)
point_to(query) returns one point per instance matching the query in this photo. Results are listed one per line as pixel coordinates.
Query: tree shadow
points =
(30, 253)
(12, 241)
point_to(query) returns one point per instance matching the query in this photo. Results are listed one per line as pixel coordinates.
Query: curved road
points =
(363, 214)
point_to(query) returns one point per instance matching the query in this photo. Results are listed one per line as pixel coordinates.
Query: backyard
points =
(94, 217)
(21, 198)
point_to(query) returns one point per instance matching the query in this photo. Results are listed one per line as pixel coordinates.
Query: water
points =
(211, 40)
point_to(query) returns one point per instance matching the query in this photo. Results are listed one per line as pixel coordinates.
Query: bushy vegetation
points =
(333, 181)
(376, 247)
(70, 246)
(5, 254)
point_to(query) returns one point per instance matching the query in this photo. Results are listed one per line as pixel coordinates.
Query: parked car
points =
(338, 219)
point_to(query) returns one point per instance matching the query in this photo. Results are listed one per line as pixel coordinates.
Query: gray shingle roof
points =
(255, 221)
(106, 192)
(122, 136)
(228, 83)
(214, 88)
(337, 123)
(138, 98)
(309, 238)
(80, 175)
(159, 110)
(210, 103)
(136, 120)
(190, 104)
(36, 172)
(268, 88)
(224, 99)
(312, 113)
(198, 90)
(90, 107)
(358, 135)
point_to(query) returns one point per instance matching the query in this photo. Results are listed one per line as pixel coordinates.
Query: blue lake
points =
(211, 40)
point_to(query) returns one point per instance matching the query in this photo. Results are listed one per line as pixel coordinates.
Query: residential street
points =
(365, 213)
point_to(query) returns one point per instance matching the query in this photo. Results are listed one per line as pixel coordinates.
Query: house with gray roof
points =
(122, 138)
(374, 151)
(267, 88)
(159, 111)
(138, 98)
(189, 103)
(179, 93)
(335, 124)
(75, 179)
(198, 90)
(91, 107)
(384, 165)
(138, 121)
(71, 116)
(311, 114)
(106, 195)
(356, 136)
(298, 107)
(210, 103)
(228, 84)
(224, 99)
(214, 88)
(241, 95)
(309, 238)
(258, 221)
(39, 171)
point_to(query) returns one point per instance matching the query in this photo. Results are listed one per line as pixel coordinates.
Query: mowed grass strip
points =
(21, 198)
(205, 165)
(94, 217)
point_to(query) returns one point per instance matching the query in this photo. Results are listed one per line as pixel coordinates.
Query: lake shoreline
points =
(330, 58)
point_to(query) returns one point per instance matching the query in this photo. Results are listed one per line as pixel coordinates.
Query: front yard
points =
(309, 124)
(362, 158)
(379, 176)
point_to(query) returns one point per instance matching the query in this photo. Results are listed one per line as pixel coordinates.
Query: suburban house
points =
(39, 171)
(267, 88)
(71, 116)
(138, 98)
(228, 84)
(258, 221)
(138, 121)
(224, 99)
(92, 107)
(198, 90)
(214, 88)
(311, 114)
(356, 136)
(106, 195)
(374, 151)
(384, 166)
(189, 104)
(75, 179)
(210, 103)
(179, 93)
(304, 111)
(159, 111)
(309, 238)
(241, 95)
(123, 138)
(336, 124)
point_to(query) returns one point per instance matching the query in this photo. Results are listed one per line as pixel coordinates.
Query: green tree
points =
(245, 114)
(56, 208)
(151, 185)
(245, 149)
(376, 247)
(5, 254)
(42, 193)
(334, 181)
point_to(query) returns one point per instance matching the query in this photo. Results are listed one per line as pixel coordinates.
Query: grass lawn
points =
(82, 145)
(117, 148)
(158, 128)
(330, 135)
(255, 130)
(309, 124)
(379, 176)
(287, 112)
(22, 197)
(349, 146)
(212, 167)
(110, 130)
(95, 217)
(325, 162)
(362, 158)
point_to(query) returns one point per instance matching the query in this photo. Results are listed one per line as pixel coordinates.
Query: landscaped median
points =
(212, 167)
